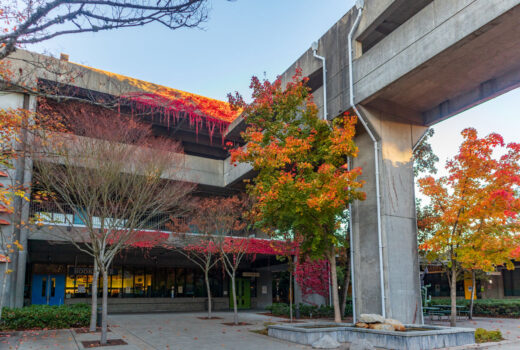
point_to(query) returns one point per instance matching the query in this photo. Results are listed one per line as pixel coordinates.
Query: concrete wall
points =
(134, 305)
(264, 283)
(398, 222)
(19, 176)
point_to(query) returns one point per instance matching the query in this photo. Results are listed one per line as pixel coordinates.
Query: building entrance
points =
(48, 289)
(243, 288)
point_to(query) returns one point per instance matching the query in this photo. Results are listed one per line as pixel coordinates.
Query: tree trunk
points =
(345, 289)
(334, 278)
(453, 295)
(104, 313)
(473, 286)
(4, 282)
(208, 290)
(290, 297)
(93, 303)
(234, 291)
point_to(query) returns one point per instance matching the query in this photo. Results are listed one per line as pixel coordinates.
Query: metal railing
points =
(50, 213)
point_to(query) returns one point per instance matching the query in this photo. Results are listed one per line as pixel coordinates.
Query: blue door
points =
(48, 289)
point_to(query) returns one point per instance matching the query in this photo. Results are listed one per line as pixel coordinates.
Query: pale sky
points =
(244, 38)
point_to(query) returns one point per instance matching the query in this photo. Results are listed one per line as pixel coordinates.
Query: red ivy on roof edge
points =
(200, 111)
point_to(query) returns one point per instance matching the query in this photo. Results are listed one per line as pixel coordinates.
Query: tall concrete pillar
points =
(401, 292)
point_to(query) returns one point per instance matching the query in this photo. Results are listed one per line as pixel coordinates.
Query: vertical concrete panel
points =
(399, 236)
(265, 280)
(364, 220)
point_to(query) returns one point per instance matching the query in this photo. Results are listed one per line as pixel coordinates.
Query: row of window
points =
(131, 281)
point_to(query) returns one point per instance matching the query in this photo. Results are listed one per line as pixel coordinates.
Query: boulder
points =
(371, 318)
(361, 325)
(361, 345)
(381, 327)
(397, 324)
(326, 342)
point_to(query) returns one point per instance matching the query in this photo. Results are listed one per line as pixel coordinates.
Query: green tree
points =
(303, 183)
(424, 160)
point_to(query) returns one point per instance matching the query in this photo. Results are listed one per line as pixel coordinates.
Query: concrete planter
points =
(432, 338)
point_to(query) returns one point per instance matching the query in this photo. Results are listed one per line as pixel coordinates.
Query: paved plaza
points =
(184, 331)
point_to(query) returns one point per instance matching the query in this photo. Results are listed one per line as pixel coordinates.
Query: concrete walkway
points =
(169, 331)
(176, 331)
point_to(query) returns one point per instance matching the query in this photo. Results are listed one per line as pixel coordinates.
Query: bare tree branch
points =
(29, 21)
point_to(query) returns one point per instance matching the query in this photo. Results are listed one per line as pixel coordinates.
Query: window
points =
(511, 282)
(137, 281)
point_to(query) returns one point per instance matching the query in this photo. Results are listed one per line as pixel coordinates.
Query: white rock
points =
(326, 342)
(371, 318)
(361, 345)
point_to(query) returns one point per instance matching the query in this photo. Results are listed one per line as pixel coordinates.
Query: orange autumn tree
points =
(303, 185)
(477, 204)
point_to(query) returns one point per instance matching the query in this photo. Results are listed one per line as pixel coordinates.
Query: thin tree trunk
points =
(345, 289)
(453, 295)
(93, 303)
(334, 278)
(473, 286)
(104, 313)
(234, 291)
(208, 290)
(290, 297)
(4, 282)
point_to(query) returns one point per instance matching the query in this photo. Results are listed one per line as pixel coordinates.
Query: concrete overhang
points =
(428, 67)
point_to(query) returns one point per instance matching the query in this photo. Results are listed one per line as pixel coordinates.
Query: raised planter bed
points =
(422, 337)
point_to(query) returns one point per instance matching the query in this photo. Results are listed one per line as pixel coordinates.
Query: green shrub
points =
(486, 307)
(484, 336)
(282, 309)
(44, 316)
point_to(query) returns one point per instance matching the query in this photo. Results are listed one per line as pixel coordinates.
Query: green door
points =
(243, 287)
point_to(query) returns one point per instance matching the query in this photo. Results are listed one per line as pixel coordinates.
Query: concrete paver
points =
(186, 331)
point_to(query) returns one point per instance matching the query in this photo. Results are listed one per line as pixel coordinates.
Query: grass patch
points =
(484, 336)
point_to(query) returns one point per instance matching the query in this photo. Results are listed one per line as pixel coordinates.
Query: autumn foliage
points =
(303, 184)
(474, 223)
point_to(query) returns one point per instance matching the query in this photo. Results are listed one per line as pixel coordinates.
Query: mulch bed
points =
(239, 324)
(87, 344)
(209, 318)
(87, 330)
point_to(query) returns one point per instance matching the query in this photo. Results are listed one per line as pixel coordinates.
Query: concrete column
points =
(398, 221)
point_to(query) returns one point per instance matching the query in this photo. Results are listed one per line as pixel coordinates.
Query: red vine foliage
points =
(173, 105)
(313, 277)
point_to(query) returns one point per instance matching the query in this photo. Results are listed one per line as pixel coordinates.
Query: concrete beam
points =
(450, 47)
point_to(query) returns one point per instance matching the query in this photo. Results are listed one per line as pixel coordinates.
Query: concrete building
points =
(411, 65)
(402, 66)
(500, 284)
(51, 270)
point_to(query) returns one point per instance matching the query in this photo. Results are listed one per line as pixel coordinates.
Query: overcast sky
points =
(250, 37)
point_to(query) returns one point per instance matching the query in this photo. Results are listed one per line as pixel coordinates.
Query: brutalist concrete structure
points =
(414, 63)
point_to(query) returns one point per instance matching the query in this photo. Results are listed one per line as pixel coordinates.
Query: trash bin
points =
(99, 315)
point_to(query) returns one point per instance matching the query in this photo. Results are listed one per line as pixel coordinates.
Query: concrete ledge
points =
(434, 337)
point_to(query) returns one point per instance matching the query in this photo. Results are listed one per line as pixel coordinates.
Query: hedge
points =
(44, 316)
(282, 309)
(486, 307)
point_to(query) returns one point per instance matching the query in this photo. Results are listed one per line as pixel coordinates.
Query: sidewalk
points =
(186, 331)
